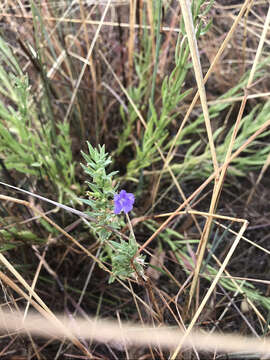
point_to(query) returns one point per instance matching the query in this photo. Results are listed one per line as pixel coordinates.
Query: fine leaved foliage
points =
(27, 143)
(121, 254)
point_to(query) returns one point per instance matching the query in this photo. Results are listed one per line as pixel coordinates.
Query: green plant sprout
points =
(106, 204)
(171, 92)
(27, 143)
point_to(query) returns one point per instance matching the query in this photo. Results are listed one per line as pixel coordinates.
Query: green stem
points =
(158, 44)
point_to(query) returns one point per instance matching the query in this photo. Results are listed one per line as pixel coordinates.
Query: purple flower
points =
(123, 201)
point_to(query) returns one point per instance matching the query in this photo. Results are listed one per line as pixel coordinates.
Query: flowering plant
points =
(119, 252)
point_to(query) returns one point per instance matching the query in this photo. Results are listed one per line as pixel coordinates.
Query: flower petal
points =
(123, 202)
(117, 207)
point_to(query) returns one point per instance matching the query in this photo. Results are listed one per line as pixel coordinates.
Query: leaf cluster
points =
(123, 264)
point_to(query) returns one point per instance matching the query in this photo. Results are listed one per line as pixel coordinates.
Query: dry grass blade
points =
(187, 15)
(132, 334)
